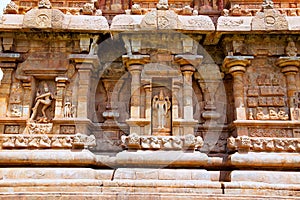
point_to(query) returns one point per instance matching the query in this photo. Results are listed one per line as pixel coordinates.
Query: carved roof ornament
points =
(88, 9)
(11, 8)
(267, 4)
(44, 4)
(162, 5)
(291, 49)
(269, 18)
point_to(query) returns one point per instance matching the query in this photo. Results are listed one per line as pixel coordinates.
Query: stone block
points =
(174, 174)
(147, 174)
(125, 173)
(200, 174)
(11, 21)
(293, 23)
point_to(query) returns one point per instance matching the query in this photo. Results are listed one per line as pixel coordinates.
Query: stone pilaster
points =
(290, 67)
(7, 64)
(134, 64)
(236, 66)
(148, 100)
(187, 65)
(60, 92)
(85, 66)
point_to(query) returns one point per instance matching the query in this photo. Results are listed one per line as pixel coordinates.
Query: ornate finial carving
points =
(162, 5)
(88, 9)
(291, 49)
(45, 4)
(11, 8)
(267, 4)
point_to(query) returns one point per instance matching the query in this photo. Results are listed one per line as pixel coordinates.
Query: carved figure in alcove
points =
(69, 109)
(45, 100)
(161, 105)
(291, 49)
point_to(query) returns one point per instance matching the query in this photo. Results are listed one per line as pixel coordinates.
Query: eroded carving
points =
(162, 5)
(44, 4)
(266, 144)
(11, 8)
(77, 141)
(188, 142)
(291, 49)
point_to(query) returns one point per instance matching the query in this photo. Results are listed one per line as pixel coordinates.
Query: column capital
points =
(130, 60)
(92, 60)
(188, 60)
(61, 80)
(236, 63)
(9, 57)
(288, 64)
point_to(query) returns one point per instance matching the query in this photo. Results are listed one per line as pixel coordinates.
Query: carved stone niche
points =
(161, 106)
(44, 103)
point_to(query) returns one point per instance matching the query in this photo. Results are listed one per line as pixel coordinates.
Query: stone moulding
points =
(43, 141)
(263, 144)
(161, 20)
(53, 19)
(187, 142)
(248, 24)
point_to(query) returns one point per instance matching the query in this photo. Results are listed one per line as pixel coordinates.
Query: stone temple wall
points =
(155, 102)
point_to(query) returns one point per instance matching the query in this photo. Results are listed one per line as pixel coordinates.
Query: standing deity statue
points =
(45, 100)
(161, 105)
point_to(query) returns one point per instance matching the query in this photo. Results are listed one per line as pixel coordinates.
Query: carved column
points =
(290, 67)
(187, 65)
(60, 92)
(236, 66)
(134, 64)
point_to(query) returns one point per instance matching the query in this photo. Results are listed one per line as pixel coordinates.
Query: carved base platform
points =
(144, 183)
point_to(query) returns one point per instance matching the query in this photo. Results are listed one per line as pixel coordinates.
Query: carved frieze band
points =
(263, 144)
(187, 142)
(42, 141)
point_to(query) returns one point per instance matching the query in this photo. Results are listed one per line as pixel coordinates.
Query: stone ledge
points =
(161, 174)
(265, 160)
(161, 159)
(271, 177)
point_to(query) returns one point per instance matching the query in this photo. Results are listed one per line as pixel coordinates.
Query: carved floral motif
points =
(134, 141)
(264, 144)
(77, 141)
(269, 132)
